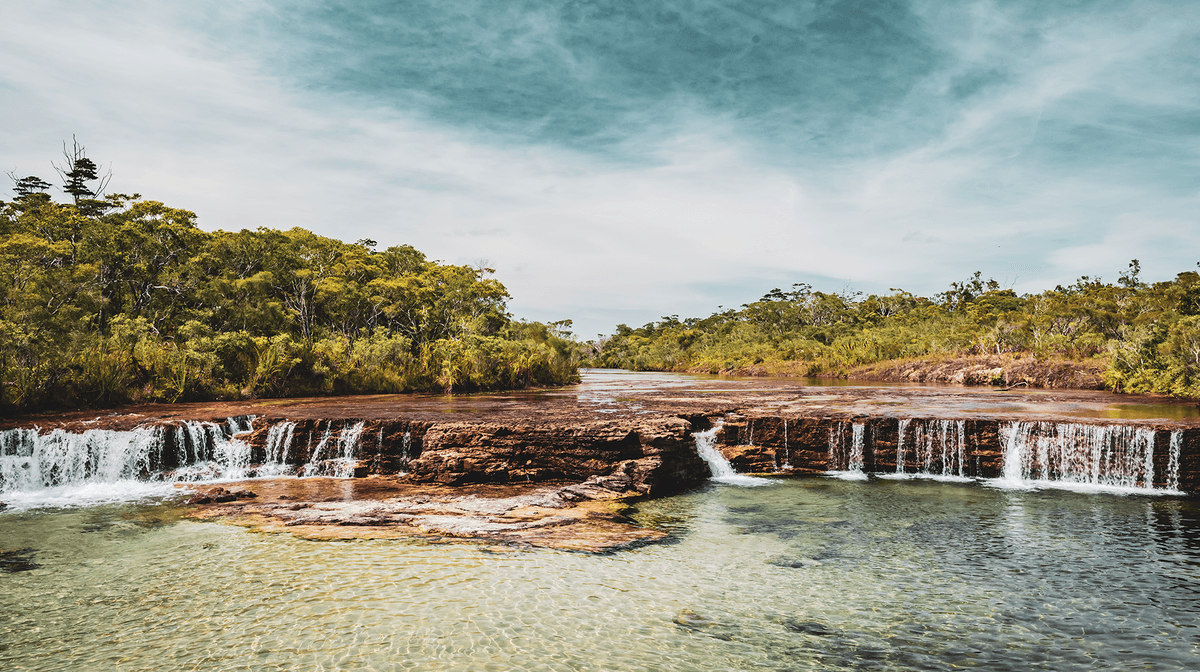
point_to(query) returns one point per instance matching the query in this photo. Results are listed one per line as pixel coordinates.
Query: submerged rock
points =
(19, 560)
(807, 627)
(793, 562)
(686, 618)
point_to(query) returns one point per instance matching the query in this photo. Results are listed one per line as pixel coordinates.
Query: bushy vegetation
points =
(1145, 336)
(115, 299)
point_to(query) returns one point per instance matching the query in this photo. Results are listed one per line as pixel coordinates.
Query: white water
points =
(839, 456)
(313, 466)
(900, 446)
(68, 469)
(856, 448)
(338, 463)
(279, 446)
(1116, 458)
(939, 450)
(347, 442)
(1176, 446)
(32, 461)
(722, 471)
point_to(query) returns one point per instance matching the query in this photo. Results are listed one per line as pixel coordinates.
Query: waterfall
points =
(1176, 446)
(313, 466)
(347, 442)
(1082, 456)
(32, 461)
(855, 463)
(63, 468)
(722, 471)
(277, 449)
(938, 447)
(341, 463)
(853, 459)
(751, 431)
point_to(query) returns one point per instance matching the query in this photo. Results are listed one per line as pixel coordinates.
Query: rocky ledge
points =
(562, 468)
(554, 483)
(591, 516)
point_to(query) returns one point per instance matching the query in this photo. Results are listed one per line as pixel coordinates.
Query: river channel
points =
(815, 573)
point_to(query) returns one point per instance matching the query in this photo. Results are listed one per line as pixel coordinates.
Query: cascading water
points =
(32, 461)
(62, 468)
(313, 466)
(340, 464)
(847, 463)
(347, 442)
(855, 462)
(938, 449)
(205, 452)
(722, 471)
(1175, 447)
(1085, 456)
(277, 450)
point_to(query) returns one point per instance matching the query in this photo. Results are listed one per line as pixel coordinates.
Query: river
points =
(817, 573)
(821, 573)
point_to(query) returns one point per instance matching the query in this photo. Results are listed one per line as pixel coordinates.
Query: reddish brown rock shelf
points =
(567, 460)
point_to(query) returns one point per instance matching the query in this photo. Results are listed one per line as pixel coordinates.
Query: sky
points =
(620, 161)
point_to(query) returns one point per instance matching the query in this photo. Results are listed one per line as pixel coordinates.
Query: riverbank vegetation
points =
(115, 299)
(1128, 336)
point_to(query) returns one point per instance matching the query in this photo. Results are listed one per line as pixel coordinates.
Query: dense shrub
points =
(116, 300)
(1146, 336)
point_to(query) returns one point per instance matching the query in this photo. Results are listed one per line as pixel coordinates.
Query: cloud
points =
(619, 162)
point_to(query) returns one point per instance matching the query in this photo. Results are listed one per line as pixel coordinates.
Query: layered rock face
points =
(655, 455)
(558, 469)
(1166, 457)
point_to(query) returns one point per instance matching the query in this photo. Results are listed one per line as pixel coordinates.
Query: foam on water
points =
(62, 469)
(90, 494)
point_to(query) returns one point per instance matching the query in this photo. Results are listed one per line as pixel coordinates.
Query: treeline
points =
(1145, 336)
(115, 299)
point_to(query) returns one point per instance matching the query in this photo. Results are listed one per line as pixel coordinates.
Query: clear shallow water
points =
(808, 574)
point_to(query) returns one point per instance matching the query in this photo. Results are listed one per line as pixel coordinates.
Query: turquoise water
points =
(817, 574)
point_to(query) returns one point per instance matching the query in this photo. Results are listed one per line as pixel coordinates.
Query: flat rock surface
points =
(606, 395)
(578, 517)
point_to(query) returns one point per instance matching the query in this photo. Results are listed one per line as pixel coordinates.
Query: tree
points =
(77, 172)
(30, 188)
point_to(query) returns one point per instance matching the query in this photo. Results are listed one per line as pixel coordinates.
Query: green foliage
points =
(118, 299)
(1147, 335)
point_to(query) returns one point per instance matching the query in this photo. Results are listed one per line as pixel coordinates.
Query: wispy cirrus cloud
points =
(617, 162)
